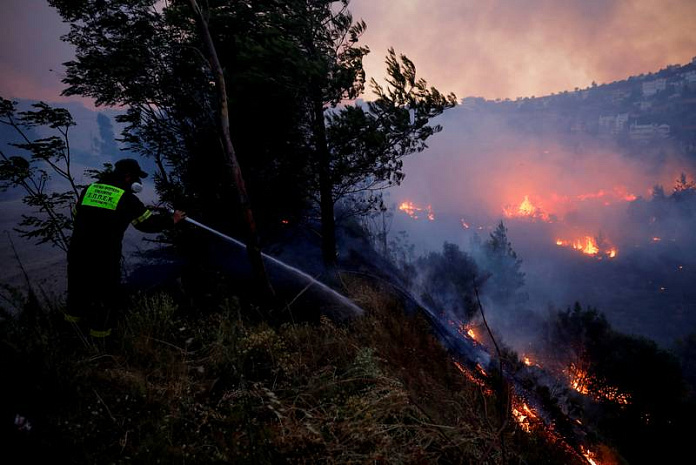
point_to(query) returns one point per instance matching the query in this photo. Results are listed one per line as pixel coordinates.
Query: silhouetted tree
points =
(506, 277)
(447, 279)
(39, 161)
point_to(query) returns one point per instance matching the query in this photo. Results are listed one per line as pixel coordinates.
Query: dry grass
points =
(219, 389)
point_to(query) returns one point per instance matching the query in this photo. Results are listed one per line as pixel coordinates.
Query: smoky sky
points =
(583, 186)
(31, 52)
(494, 49)
(519, 48)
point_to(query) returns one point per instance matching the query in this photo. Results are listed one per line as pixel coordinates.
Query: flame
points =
(589, 456)
(412, 210)
(588, 245)
(471, 333)
(473, 378)
(524, 416)
(465, 225)
(579, 380)
(528, 361)
(656, 239)
(618, 192)
(526, 210)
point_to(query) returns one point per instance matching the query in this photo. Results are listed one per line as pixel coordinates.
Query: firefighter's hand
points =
(178, 216)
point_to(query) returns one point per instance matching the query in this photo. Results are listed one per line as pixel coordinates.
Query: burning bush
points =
(634, 391)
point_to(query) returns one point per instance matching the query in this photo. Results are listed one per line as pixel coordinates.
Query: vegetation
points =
(220, 387)
(48, 158)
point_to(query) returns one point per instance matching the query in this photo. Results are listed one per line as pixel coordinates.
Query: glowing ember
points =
(589, 456)
(579, 380)
(413, 210)
(656, 239)
(524, 416)
(526, 210)
(527, 361)
(285, 221)
(474, 379)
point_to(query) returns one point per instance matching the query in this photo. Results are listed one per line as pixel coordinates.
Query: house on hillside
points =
(647, 132)
(651, 88)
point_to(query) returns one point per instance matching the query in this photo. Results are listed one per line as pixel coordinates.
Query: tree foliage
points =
(501, 261)
(42, 168)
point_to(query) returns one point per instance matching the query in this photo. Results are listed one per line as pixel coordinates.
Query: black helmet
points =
(129, 166)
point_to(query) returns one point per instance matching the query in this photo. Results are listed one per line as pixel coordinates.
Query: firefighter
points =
(101, 216)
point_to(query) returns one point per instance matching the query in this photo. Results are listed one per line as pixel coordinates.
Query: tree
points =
(367, 142)
(155, 59)
(448, 279)
(232, 165)
(505, 268)
(48, 157)
(357, 148)
(683, 184)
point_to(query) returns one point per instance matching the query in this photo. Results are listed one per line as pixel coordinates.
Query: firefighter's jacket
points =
(101, 217)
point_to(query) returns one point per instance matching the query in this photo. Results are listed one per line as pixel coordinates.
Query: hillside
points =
(216, 387)
(649, 109)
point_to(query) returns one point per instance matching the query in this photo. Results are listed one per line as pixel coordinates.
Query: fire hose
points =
(297, 271)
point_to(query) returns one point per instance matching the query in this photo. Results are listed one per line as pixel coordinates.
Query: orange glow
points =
(589, 456)
(474, 379)
(579, 380)
(528, 361)
(413, 210)
(526, 210)
(523, 415)
(656, 239)
(588, 245)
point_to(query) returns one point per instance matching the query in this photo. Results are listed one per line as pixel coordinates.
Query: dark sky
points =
(494, 49)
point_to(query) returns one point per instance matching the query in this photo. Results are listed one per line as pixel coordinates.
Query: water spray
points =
(311, 280)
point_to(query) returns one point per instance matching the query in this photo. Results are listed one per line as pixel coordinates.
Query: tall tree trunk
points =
(326, 202)
(232, 165)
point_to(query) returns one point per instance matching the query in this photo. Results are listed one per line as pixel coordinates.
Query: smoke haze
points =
(499, 49)
(481, 168)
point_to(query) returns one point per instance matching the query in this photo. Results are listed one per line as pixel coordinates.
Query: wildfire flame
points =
(588, 245)
(413, 210)
(579, 380)
(589, 456)
(526, 210)
(524, 416)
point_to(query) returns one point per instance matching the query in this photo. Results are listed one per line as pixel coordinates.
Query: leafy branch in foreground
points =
(48, 156)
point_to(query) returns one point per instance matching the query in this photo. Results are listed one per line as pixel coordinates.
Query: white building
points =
(613, 124)
(646, 132)
(653, 87)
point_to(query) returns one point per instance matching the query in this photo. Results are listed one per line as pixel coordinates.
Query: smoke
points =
(482, 167)
(511, 49)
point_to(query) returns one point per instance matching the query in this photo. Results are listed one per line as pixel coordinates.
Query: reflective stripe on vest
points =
(100, 334)
(142, 217)
(102, 196)
(71, 318)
